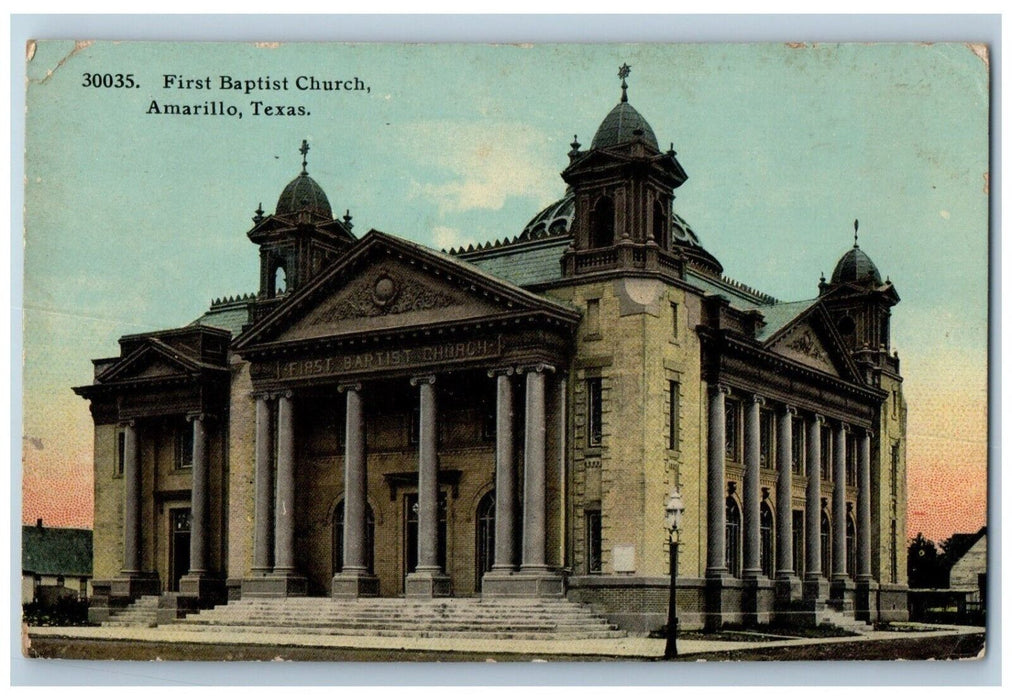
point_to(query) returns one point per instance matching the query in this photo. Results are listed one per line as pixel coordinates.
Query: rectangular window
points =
(120, 453)
(894, 573)
(767, 430)
(825, 468)
(593, 317)
(594, 411)
(674, 320)
(184, 446)
(673, 408)
(798, 541)
(851, 460)
(894, 470)
(797, 446)
(593, 541)
(732, 410)
(414, 425)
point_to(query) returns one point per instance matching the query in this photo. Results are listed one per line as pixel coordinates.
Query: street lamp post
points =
(673, 511)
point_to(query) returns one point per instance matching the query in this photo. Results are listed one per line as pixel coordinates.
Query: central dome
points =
(303, 194)
(623, 124)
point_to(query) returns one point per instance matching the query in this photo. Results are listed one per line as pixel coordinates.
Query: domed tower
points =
(298, 240)
(622, 189)
(859, 301)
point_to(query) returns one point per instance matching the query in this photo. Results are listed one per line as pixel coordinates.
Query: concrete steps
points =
(143, 612)
(844, 620)
(392, 617)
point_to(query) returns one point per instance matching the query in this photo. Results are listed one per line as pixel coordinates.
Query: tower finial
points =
(855, 233)
(304, 149)
(623, 72)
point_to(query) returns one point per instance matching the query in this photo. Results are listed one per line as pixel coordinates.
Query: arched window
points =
(280, 280)
(602, 223)
(370, 537)
(824, 542)
(661, 227)
(485, 536)
(766, 539)
(851, 546)
(732, 538)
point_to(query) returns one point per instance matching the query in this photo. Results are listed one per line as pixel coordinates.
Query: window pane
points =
(594, 412)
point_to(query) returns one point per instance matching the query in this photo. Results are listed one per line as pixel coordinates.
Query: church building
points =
(508, 420)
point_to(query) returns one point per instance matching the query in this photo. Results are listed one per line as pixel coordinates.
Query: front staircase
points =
(143, 612)
(471, 618)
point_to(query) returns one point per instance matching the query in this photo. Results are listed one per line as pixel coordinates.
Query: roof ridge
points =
(525, 237)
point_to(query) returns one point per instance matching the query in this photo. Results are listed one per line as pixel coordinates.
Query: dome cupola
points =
(623, 123)
(856, 266)
(303, 194)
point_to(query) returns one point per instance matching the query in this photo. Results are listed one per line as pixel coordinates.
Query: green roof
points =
(228, 314)
(55, 551)
(529, 263)
(779, 315)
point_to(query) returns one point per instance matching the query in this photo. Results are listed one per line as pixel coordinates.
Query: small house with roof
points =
(508, 419)
(55, 563)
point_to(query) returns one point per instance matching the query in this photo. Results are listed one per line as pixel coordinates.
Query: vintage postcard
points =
(469, 352)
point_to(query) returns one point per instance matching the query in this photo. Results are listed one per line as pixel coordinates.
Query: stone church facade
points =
(384, 419)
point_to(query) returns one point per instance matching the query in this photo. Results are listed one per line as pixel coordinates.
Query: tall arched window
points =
(602, 223)
(732, 538)
(824, 542)
(766, 539)
(661, 227)
(280, 279)
(370, 537)
(851, 546)
(485, 537)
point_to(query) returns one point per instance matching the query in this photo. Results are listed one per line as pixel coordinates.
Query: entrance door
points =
(411, 533)
(179, 546)
(484, 553)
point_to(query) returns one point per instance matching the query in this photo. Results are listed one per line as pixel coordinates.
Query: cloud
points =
(480, 166)
(445, 237)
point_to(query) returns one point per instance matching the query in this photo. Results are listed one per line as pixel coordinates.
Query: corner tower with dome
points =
(505, 421)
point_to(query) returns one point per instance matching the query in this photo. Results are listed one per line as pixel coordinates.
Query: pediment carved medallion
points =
(807, 345)
(386, 293)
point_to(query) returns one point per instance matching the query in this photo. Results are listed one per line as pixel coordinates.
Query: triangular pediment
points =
(385, 283)
(812, 340)
(153, 360)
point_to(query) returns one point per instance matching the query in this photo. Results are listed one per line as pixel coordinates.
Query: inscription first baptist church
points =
(268, 106)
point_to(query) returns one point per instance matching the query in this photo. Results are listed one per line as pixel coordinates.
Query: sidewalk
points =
(630, 647)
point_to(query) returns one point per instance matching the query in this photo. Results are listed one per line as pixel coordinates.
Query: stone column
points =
(785, 523)
(199, 497)
(263, 517)
(533, 554)
(864, 507)
(284, 495)
(131, 500)
(752, 567)
(715, 485)
(840, 503)
(428, 579)
(505, 472)
(814, 580)
(354, 579)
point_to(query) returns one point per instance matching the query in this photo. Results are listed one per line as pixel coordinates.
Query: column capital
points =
(262, 394)
(423, 379)
(536, 368)
(720, 389)
(285, 394)
(756, 398)
(788, 410)
(127, 423)
(502, 372)
(818, 418)
(349, 386)
(198, 415)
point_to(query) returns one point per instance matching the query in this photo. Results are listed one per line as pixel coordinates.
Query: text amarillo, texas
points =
(461, 351)
(247, 86)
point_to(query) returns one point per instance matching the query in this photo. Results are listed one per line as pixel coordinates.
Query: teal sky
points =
(135, 221)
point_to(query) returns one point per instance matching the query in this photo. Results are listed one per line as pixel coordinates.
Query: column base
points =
(207, 589)
(841, 594)
(865, 608)
(354, 584)
(723, 600)
(815, 588)
(757, 601)
(133, 586)
(427, 584)
(275, 585)
(522, 584)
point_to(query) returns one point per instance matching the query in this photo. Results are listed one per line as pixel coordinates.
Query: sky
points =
(135, 220)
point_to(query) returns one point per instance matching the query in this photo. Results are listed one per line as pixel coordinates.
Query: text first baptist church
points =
(507, 421)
